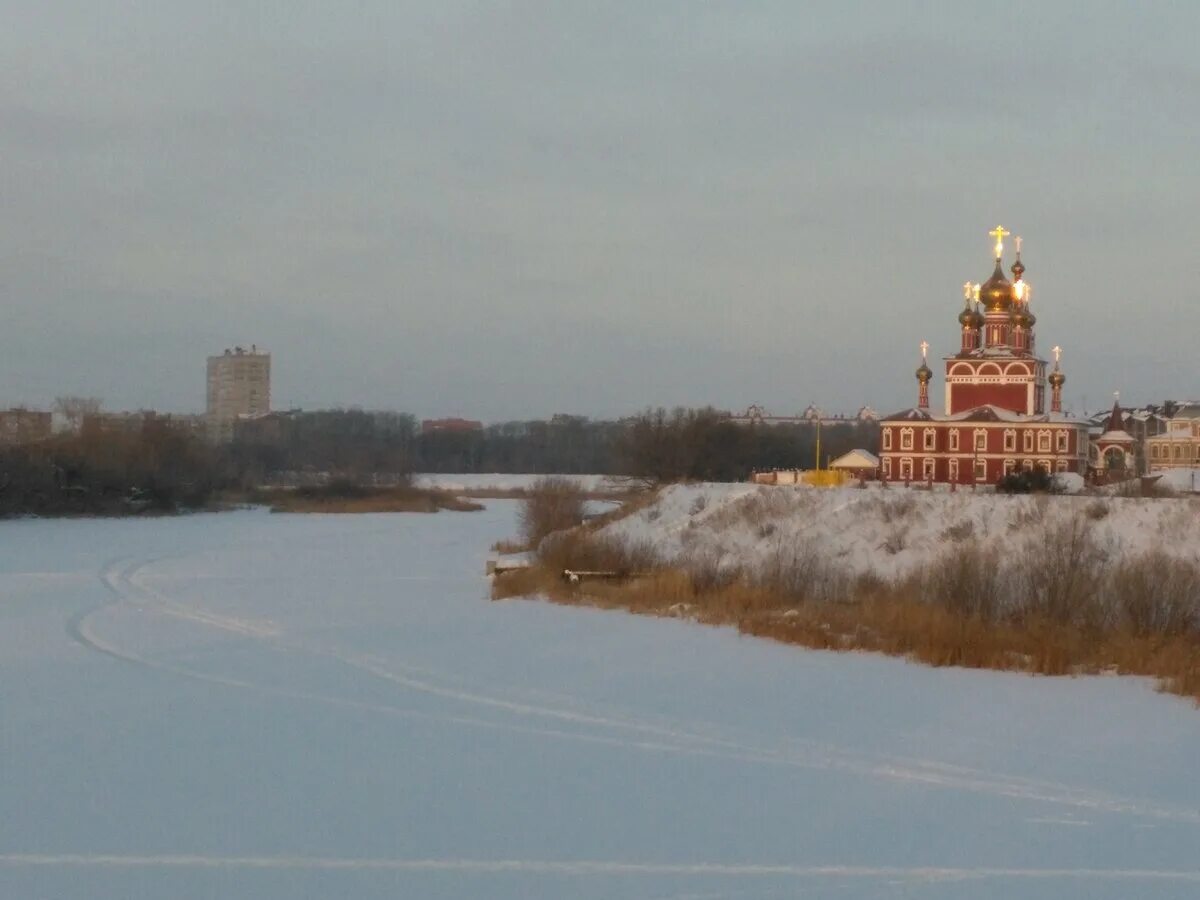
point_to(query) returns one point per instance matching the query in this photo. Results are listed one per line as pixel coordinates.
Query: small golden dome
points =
(970, 318)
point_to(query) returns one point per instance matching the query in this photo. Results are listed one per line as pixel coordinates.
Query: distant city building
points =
(1141, 422)
(141, 422)
(239, 384)
(1178, 446)
(430, 426)
(995, 421)
(24, 426)
(757, 415)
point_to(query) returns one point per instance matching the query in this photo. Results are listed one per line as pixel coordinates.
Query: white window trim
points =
(953, 438)
(1010, 440)
(929, 439)
(906, 438)
(887, 439)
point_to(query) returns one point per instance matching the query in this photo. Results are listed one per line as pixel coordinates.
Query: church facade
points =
(994, 420)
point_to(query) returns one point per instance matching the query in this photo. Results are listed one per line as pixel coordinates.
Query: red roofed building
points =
(994, 420)
(1114, 449)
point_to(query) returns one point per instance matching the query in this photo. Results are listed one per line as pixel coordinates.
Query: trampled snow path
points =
(630, 757)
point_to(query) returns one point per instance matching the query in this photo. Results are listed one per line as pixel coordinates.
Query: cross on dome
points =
(924, 349)
(1000, 234)
(1057, 351)
(1017, 241)
(968, 290)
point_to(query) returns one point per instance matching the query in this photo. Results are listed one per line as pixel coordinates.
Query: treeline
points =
(164, 468)
(659, 444)
(165, 464)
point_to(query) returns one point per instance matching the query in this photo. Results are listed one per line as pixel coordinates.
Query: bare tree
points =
(74, 409)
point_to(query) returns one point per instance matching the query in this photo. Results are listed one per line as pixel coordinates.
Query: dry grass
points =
(1060, 608)
(366, 500)
(504, 547)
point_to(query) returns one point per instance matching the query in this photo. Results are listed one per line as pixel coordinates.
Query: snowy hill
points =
(892, 532)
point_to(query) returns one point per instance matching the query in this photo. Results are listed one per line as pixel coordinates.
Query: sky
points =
(508, 210)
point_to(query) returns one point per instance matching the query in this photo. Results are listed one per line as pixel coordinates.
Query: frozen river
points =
(269, 706)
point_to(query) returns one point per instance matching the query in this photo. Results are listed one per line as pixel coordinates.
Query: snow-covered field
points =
(892, 532)
(274, 706)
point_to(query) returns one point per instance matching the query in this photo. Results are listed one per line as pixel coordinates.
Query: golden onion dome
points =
(1057, 379)
(996, 294)
(924, 373)
(1018, 268)
(970, 318)
(1022, 317)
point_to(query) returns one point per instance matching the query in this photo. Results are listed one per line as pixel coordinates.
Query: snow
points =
(888, 532)
(1182, 481)
(1068, 482)
(288, 706)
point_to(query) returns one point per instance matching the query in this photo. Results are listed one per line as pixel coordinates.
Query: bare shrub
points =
(1096, 510)
(553, 504)
(765, 505)
(585, 551)
(968, 580)
(1029, 512)
(1157, 594)
(799, 573)
(962, 530)
(898, 509)
(1062, 569)
(896, 538)
(707, 571)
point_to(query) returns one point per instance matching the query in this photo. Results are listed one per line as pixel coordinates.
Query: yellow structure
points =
(824, 477)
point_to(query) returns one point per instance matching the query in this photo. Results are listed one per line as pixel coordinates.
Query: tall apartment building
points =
(239, 384)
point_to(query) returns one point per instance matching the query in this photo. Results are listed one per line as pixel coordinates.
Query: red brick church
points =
(995, 419)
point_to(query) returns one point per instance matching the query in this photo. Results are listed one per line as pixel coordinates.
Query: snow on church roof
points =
(987, 413)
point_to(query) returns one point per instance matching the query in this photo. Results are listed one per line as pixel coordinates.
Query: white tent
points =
(856, 461)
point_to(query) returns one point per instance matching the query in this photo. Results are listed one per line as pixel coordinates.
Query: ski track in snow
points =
(584, 868)
(120, 577)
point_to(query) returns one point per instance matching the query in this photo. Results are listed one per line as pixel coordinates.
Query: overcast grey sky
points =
(507, 210)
